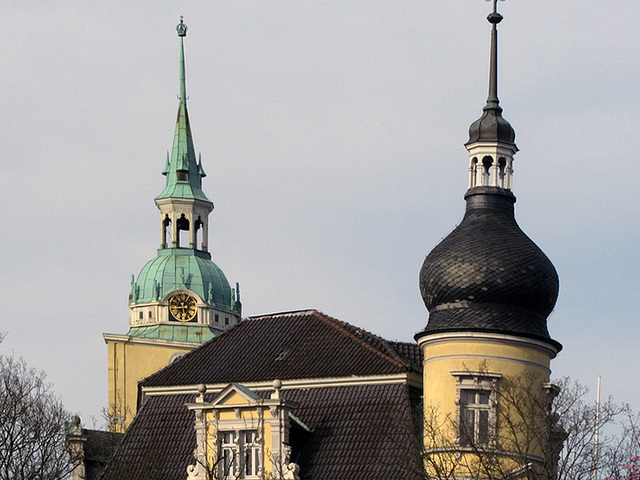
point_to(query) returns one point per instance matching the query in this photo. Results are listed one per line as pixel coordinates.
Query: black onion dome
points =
(487, 275)
(491, 127)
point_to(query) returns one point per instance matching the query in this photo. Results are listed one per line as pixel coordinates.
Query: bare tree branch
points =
(32, 425)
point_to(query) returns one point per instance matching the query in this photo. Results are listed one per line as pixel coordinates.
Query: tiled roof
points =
(411, 352)
(361, 432)
(302, 344)
(365, 432)
(159, 444)
(98, 448)
(100, 444)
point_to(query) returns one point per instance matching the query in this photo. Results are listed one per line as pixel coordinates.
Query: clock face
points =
(183, 307)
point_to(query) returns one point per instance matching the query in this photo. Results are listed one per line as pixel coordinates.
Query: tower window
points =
(226, 320)
(476, 401)
(150, 314)
(182, 176)
(474, 417)
(141, 315)
(217, 318)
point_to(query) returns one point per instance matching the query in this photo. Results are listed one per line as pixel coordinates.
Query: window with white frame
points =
(476, 412)
(475, 408)
(239, 454)
(228, 454)
(251, 453)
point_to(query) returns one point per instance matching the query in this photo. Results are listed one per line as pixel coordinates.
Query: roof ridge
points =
(416, 363)
(309, 311)
(340, 325)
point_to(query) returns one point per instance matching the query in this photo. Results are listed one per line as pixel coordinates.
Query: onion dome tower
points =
(487, 287)
(181, 298)
(487, 275)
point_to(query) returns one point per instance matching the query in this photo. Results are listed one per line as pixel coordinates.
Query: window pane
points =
(483, 427)
(467, 397)
(468, 426)
(483, 398)
(248, 468)
(256, 460)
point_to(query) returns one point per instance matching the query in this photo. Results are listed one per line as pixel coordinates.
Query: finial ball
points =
(494, 18)
(202, 388)
(182, 28)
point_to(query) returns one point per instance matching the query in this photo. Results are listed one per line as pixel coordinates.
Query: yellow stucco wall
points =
(129, 363)
(510, 358)
(463, 355)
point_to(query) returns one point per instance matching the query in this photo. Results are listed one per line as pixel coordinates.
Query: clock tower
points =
(181, 298)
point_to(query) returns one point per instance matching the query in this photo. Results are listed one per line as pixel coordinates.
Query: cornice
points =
(411, 379)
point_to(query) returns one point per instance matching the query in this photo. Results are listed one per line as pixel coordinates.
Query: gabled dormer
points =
(240, 434)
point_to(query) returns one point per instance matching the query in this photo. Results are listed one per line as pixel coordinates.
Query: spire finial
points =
(182, 32)
(494, 18)
(182, 28)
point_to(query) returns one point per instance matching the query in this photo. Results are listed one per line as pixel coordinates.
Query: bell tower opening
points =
(183, 231)
(198, 232)
(166, 231)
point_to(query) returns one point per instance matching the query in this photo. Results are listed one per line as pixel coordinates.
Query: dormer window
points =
(242, 435)
(182, 176)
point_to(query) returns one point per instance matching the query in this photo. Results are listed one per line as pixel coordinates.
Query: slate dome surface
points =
(487, 275)
(183, 268)
(492, 127)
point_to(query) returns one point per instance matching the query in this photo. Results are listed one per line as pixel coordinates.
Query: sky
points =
(332, 135)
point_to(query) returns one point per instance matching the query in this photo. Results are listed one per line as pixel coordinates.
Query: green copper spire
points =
(182, 32)
(184, 174)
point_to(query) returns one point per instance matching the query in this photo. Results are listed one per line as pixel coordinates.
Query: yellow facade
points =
(514, 371)
(130, 360)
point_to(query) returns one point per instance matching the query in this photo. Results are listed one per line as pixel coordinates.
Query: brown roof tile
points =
(303, 344)
(357, 433)
(159, 443)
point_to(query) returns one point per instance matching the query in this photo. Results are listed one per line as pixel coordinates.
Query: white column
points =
(494, 167)
(205, 233)
(471, 173)
(192, 231)
(175, 239)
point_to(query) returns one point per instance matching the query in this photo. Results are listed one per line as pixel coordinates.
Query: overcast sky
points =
(332, 134)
